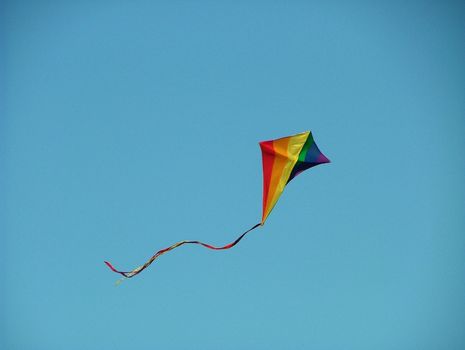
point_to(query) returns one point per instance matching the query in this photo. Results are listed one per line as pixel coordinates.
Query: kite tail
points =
(137, 270)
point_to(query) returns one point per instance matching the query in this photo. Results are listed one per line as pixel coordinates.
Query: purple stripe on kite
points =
(322, 159)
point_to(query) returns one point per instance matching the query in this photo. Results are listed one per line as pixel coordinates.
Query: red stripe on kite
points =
(268, 157)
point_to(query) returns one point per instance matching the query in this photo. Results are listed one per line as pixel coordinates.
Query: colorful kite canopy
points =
(283, 159)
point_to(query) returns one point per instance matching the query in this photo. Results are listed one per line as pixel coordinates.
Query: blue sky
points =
(129, 125)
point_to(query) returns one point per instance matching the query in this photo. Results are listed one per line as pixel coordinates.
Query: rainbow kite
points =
(283, 159)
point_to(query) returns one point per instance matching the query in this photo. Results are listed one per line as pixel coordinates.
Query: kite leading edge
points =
(283, 159)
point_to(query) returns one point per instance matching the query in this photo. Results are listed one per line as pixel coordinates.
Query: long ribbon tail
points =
(136, 271)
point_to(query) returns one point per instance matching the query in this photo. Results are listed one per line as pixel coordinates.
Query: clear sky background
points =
(129, 125)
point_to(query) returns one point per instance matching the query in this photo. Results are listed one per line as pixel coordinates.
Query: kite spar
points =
(283, 159)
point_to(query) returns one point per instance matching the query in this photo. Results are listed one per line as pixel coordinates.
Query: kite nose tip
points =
(324, 159)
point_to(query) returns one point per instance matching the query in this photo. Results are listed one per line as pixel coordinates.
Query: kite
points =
(283, 159)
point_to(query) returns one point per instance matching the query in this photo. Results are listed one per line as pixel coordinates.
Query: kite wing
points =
(283, 159)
